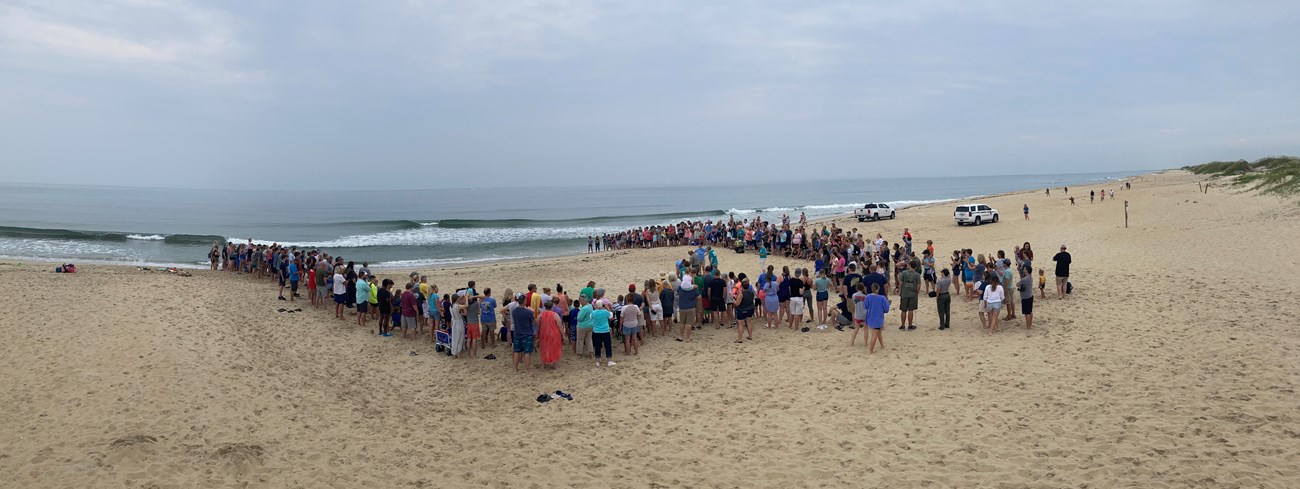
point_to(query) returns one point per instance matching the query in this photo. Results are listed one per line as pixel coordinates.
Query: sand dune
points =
(1174, 364)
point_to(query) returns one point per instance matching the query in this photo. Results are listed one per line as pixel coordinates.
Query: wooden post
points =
(1126, 214)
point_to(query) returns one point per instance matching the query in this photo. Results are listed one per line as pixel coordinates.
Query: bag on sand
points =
(1069, 287)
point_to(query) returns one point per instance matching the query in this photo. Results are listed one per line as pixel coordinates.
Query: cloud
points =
(142, 37)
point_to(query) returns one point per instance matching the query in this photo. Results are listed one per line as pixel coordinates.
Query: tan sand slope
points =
(1173, 365)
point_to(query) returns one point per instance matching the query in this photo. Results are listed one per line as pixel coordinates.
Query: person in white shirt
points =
(992, 301)
(340, 289)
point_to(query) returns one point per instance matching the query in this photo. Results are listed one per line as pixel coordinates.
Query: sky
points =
(329, 94)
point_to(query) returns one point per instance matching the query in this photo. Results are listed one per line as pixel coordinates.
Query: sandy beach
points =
(1175, 363)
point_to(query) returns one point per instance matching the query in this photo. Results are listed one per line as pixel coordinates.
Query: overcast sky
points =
(423, 94)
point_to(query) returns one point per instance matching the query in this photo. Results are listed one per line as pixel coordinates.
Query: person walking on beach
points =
(762, 256)
(1062, 260)
(943, 300)
(525, 329)
(550, 336)
(877, 306)
(908, 293)
(1026, 212)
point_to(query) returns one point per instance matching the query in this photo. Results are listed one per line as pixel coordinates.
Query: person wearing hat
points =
(1062, 260)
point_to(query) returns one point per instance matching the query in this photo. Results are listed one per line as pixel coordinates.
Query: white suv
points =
(975, 214)
(874, 212)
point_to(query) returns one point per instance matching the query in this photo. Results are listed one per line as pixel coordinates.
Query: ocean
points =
(424, 228)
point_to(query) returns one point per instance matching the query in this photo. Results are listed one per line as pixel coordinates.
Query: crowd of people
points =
(858, 272)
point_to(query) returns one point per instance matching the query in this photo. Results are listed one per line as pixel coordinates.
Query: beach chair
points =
(442, 341)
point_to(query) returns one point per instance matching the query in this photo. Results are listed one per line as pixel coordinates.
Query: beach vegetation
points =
(1278, 175)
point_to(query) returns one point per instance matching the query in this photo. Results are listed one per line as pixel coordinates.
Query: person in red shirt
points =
(408, 311)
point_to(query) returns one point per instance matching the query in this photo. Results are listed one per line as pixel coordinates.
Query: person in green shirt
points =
(909, 282)
(588, 290)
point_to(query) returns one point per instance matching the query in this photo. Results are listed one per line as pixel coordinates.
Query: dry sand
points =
(1174, 364)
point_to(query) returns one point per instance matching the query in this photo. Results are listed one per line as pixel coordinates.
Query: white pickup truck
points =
(974, 214)
(874, 212)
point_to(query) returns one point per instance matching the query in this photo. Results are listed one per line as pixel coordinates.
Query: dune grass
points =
(1278, 175)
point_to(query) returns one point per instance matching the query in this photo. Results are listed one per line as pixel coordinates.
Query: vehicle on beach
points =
(974, 214)
(874, 212)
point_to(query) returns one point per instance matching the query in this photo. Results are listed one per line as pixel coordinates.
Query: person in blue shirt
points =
(600, 335)
(363, 299)
(877, 306)
(293, 281)
(488, 319)
(686, 311)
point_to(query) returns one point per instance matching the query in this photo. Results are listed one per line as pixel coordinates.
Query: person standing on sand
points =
(1026, 212)
(877, 306)
(408, 310)
(487, 320)
(686, 299)
(717, 288)
(525, 329)
(458, 323)
(1026, 289)
(994, 294)
(771, 301)
(550, 335)
(585, 325)
(859, 312)
(1008, 278)
(908, 293)
(744, 311)
(340, 288)
(943, 299)
(654, 308)
(600, 335)
(385, 308)
(795, 307)
(822, 285)
(363, 299)
(632, 320)
(1062, 260)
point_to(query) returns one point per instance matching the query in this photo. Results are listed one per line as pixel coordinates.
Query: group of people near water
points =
(860, 273)
(797, 241)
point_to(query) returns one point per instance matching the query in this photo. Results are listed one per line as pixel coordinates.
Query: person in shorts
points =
(1026, 288)
(859, 312)
(909, 283)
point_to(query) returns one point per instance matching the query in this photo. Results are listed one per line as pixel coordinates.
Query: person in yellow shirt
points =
(1042, 284)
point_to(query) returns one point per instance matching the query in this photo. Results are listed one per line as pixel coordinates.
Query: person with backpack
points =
(1062, 260)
